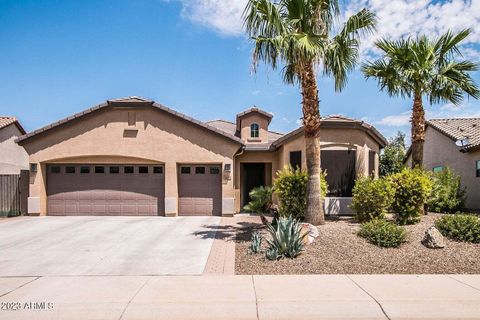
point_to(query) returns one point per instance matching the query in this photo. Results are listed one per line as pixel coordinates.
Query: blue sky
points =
(60, 57)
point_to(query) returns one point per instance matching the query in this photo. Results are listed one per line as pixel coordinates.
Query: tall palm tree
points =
(296, 34)
(423, 67)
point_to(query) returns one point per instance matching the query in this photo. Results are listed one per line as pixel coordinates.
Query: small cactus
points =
(256, 244)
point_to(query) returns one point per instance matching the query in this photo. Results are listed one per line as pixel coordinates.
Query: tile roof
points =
(6, 121)
(231, 128)
(459, 128)
(130, 101)
(255, 109)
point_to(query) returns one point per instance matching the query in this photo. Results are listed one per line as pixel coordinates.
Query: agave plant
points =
(256, 243)
(287, 239)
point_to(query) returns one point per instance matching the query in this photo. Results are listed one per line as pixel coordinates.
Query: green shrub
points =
(371, 198)
(261, 200)
(287, 239)
(412, 188)
(383, 233)
(447, 195)
(256, 243)
(460, 227)
(291, 190)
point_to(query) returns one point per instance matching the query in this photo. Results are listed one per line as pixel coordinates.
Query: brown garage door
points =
(98, 189)
(199, 190)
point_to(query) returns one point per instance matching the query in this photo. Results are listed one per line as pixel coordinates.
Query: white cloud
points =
(223, 16)
(398, 120)
(399, 18)
(465, 110)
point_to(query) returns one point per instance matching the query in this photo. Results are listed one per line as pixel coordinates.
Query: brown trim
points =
(132, 102)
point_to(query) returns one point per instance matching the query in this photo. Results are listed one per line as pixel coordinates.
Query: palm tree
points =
(296, 34)
(423, 67)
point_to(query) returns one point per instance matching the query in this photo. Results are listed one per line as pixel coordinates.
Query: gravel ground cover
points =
(339, 250)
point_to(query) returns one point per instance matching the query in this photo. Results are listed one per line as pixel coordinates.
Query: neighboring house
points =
(13, 157)
(133, 156)
(441, 150)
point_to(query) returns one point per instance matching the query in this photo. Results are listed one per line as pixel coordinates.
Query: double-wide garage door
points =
(96, 189)
(199, 190)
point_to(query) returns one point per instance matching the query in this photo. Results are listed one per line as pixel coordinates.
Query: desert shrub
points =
(261, 199)
(286, 239)
(371, 198)
(460, 227)
(383, 233)
(447, 195)
(411, 187)
(256, 243)
(291, 189)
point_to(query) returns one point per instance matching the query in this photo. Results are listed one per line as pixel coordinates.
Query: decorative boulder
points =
(311, 231)
(433, 239)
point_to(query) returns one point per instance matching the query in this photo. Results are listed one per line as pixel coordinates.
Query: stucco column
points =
(37, 201)
(228, 190)
(171, 189)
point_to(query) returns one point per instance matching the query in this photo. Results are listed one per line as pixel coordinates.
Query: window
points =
(254, 130)
(142, 169)
(478, 168)
(437, 169)
(185, 170)
(99, 169)
(128, 169)
(296, 159)
(199, 170)
(115, 169)
(158, 170)
(55, 169)
(70, 169)
(84, 169)
(214, 170)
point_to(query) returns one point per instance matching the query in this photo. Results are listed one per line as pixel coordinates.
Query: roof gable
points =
(129, 102)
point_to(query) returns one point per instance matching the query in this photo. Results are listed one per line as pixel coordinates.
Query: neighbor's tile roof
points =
(459, 128)
(6, 121)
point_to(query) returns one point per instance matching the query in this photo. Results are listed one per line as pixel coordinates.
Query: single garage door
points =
(199, 190)
(96, 189)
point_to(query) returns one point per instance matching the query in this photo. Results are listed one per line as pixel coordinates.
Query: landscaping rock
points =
(312, 232)
(433, 239)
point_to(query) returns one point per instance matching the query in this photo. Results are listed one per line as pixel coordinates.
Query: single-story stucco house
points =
(13, 157)
(454, 143)
(133, 156)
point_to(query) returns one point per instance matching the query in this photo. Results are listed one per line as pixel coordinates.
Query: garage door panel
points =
(200, 191)
(116, 193)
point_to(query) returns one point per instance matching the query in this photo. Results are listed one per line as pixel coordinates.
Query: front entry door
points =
(253, 175)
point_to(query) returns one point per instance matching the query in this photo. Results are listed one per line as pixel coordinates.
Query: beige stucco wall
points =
(439, 150)
(262, 122)
(270, 158)
(155, 137)
(331, 139)
(13, 157)
(335, 139)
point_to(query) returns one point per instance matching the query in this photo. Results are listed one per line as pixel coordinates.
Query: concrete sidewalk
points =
(244, 297)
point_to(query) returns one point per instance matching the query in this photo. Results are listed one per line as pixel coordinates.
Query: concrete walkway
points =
(244, 297)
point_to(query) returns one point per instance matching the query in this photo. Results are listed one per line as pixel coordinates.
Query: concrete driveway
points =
(56, 246)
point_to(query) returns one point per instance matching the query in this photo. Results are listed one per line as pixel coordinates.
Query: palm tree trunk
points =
(311, 121)
(418, 131)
